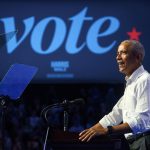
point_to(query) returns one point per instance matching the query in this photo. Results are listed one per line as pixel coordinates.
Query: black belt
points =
(132, 138)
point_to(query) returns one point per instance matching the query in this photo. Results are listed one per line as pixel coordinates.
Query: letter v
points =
(9, 26)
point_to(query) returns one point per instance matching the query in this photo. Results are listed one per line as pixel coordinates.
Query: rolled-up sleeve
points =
(139, 120)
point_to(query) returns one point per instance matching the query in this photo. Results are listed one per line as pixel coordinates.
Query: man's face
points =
(127, 60)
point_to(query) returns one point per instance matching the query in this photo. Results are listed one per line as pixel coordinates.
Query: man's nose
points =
(118, 56)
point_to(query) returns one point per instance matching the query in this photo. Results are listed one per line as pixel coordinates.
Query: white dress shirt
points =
(134, 106)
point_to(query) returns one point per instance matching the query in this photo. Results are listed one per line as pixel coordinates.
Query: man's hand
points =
(90, 133)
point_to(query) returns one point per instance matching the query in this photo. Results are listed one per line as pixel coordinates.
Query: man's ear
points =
(139, 57)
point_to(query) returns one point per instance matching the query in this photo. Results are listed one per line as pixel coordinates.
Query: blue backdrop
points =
(72, 41)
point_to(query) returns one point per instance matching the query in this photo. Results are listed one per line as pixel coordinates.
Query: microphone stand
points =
(48, 108)
(44, 114)
(65, 105)
(66, 115)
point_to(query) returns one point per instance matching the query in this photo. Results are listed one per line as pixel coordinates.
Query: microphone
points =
(65, 103)
(77, 101)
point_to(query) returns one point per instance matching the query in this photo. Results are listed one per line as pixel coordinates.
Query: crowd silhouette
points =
(25, 128)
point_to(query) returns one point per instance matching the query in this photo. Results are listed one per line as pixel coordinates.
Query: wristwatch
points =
(110, 129)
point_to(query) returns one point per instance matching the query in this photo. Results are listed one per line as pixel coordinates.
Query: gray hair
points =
(135, 46)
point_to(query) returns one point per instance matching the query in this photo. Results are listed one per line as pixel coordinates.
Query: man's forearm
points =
(122, 128)
(98, 129)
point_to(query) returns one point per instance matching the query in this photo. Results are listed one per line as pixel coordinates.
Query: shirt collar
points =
(135, 74)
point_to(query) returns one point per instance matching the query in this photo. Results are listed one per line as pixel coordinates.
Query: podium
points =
(69, 141)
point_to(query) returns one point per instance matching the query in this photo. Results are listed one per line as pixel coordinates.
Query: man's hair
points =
(135, 46)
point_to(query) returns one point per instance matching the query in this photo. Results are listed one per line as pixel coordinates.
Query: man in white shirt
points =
(131, 114)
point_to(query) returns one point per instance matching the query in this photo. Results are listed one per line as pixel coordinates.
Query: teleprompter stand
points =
(6, 37)
(3, 100)
(11, 88)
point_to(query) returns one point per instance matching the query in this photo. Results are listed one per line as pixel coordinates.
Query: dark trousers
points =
(142, 143)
